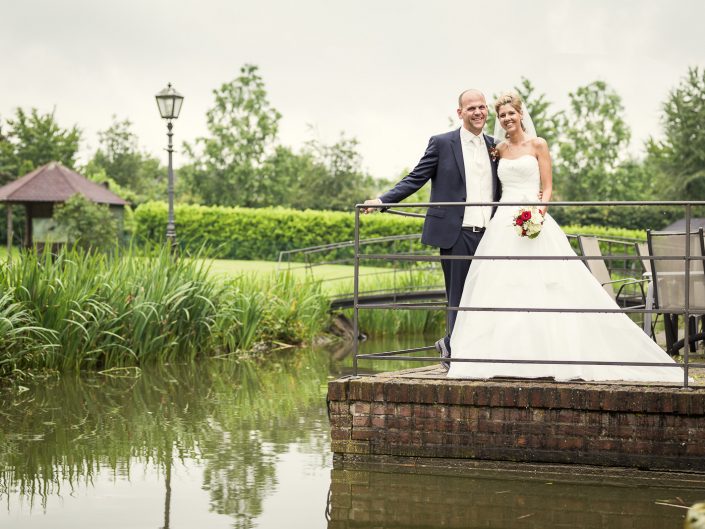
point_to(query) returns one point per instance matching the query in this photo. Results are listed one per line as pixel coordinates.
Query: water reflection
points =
(245, 444)
(228, 419)
(364, 499)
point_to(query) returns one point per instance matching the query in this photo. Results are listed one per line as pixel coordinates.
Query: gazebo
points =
(47, 185)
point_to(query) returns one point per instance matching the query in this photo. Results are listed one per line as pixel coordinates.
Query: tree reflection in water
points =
(232, 416)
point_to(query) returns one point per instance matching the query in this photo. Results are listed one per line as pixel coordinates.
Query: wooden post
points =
(8, 205)
(27, 239)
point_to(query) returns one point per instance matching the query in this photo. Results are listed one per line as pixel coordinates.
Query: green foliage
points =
(320, 176)
(83, 310)
(244, 233)
(30, 140)
(337, 181)
(138, 176)
(242, 126)
(384, 322)
(87, 224)
(593, 138)
(605, 232)
(629, 217)
(680, 158)
(260, 234)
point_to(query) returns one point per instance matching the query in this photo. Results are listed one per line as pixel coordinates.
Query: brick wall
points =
(646, 427)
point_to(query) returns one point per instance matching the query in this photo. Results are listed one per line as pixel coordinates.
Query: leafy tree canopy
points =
(592, 145)
(242, 127)
(679, 158)
(133, 174)
(31, 139)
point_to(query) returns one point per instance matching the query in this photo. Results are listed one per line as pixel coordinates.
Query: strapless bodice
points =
(520, 178)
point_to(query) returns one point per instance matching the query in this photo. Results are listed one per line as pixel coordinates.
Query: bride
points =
(524, 168)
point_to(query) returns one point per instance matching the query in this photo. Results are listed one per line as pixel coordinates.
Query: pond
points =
(245, 444)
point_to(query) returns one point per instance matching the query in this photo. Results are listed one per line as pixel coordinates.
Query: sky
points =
(386, 72)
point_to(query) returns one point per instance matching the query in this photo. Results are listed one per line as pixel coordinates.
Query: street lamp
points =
(169, 102)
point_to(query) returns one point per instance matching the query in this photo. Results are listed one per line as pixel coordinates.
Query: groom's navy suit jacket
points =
(442, 163)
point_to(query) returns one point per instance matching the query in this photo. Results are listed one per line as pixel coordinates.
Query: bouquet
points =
(528, 222)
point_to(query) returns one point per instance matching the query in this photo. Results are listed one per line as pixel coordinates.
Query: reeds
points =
(80, 310)
(387, 322)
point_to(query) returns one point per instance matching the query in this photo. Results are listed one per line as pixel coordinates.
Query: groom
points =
(462, 167)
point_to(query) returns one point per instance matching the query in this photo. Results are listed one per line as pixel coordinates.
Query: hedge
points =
(632, 217)
(260, 234)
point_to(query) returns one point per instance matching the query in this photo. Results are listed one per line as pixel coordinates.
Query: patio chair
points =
(642, 250)
(668, 280)
(650, 321)
(626, 294)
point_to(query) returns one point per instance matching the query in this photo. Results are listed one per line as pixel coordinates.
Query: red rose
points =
(523, 232)
(519, 221)
(526, 215)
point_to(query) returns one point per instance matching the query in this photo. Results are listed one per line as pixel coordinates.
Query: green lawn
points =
(334, 278)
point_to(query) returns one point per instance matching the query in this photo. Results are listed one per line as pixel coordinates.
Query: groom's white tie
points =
(476, 146)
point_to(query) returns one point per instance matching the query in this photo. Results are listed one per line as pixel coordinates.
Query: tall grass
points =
(86, 310)
(387, 322)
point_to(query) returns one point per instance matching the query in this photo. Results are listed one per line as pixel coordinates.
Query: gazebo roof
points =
(55, 183)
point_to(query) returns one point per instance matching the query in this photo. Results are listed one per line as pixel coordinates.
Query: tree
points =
(546, 122)
(120, 161)
(592, 145)
(340, 182)
(286, 176)
(321, 176)
(33, 139)
(89, 225)
(242, 127)
(680, 158)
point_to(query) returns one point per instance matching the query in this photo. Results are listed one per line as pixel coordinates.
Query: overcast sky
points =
(386, 72)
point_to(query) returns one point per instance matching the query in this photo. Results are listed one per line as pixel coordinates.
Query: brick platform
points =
(405, 414)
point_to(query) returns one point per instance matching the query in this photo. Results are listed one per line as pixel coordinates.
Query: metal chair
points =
(590, 247)
(642, 250)
(668, 283)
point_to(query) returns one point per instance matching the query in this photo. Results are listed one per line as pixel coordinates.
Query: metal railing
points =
(686, 311)
(300, 258)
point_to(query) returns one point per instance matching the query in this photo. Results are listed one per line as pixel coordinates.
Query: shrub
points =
(245, 233)
(87, 224)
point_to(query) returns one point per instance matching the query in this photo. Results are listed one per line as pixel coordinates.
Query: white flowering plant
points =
(528, 222)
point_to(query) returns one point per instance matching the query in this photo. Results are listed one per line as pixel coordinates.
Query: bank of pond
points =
(91, 311)
(78, 310)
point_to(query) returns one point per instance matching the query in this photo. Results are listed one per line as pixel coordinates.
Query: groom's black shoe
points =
(443, 348)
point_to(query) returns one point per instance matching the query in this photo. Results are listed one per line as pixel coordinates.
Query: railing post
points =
(686, 315)
(356, 287)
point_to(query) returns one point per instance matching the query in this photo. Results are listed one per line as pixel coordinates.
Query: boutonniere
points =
(494, 153)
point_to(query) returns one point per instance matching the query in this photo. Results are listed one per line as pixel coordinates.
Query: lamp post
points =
(169, 102)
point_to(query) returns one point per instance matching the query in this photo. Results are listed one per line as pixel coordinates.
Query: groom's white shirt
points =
(478, 178)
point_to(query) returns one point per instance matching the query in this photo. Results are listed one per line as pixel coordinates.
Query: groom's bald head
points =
(470, 92)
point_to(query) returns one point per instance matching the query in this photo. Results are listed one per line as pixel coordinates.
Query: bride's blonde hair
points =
(510, 97)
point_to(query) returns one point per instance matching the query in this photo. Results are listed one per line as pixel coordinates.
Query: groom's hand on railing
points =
(371, 201)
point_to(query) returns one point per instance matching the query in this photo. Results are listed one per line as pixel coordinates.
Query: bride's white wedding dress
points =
(548, 284)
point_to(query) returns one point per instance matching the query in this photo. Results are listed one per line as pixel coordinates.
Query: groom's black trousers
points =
(455, 271)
